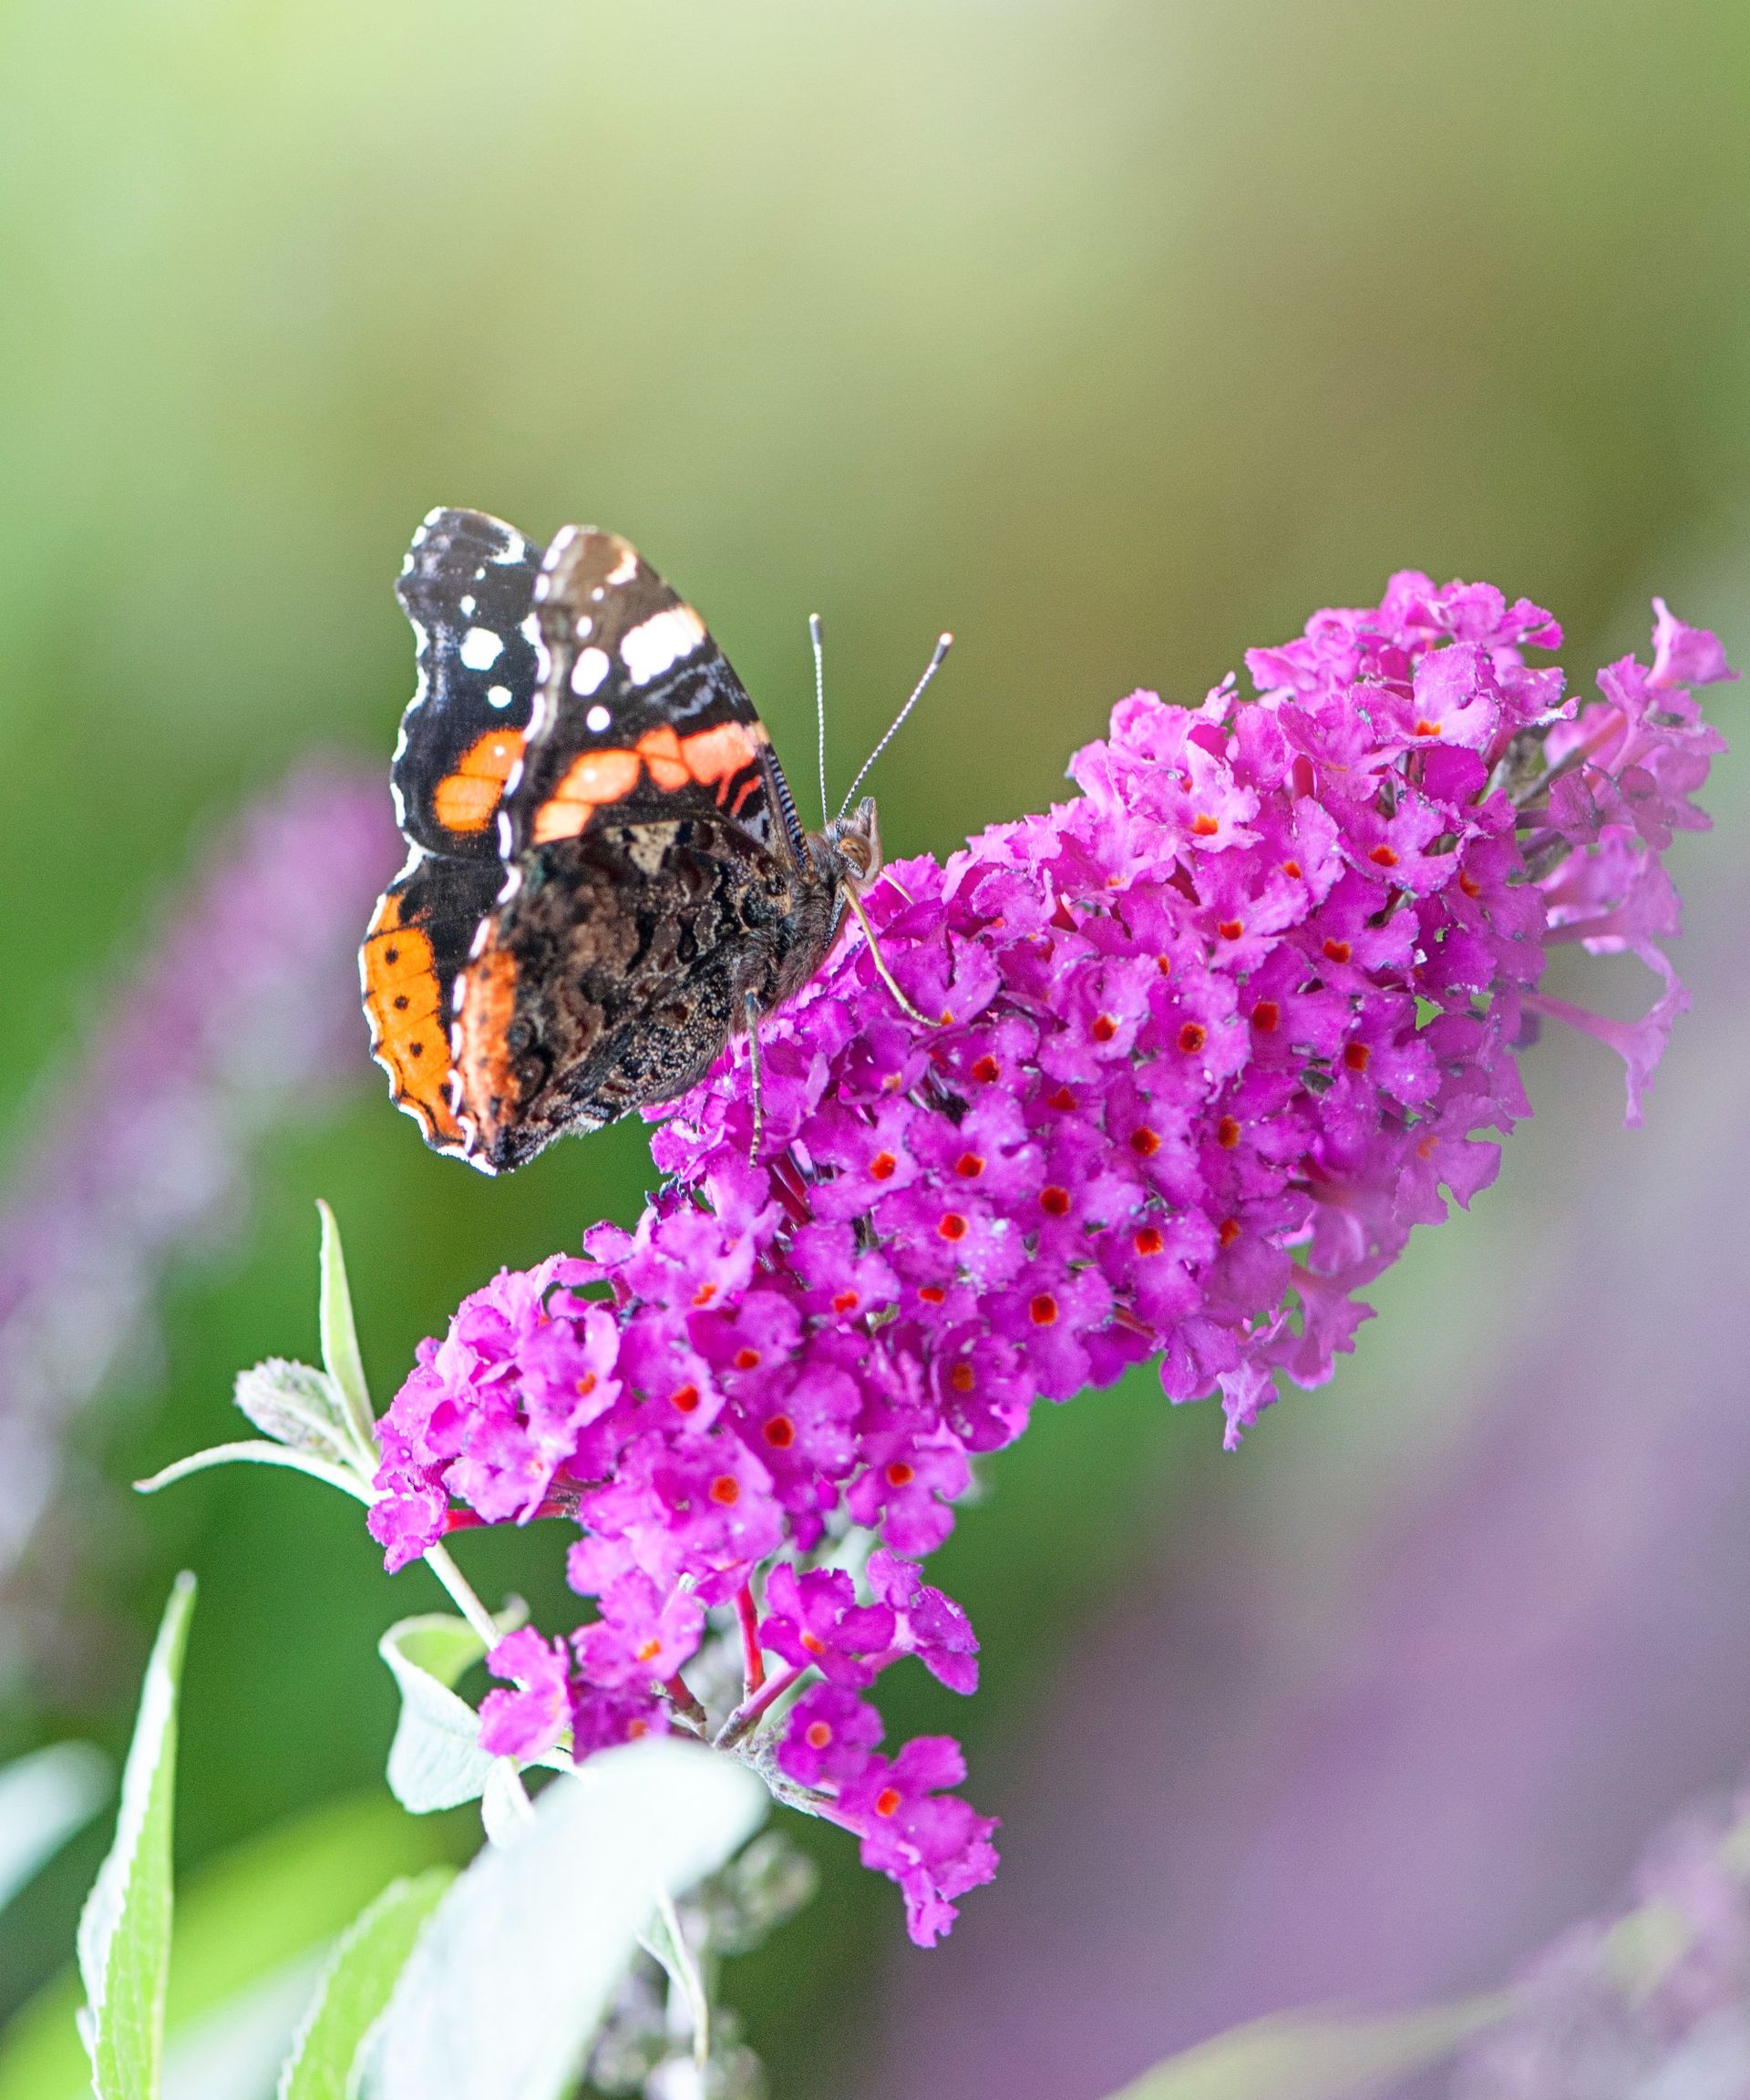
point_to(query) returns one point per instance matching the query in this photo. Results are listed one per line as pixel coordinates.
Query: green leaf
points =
(43, 1799)
(1306, 2056)
(300, 1406)
(436, 1760)
(664, 1941)
(356, 1988)
(252, 1926)
(250, 1451)
(340, 1354)
(125, 1928)
(506, 1987)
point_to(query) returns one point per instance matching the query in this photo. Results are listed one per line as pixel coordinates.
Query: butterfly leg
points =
(886, 975)
(751, 1008)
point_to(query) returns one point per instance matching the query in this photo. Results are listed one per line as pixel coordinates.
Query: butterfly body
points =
(606, 877)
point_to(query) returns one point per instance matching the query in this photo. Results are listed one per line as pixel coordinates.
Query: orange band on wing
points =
(467, 799)
(596, 778)
(485, 1011)
(714, 756)
(404, 1000)
(661, 750)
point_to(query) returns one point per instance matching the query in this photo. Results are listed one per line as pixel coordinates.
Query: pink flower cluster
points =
(1212, 1038)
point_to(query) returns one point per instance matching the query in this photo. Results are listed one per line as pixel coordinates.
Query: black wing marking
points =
(638, 711)
(468, 586)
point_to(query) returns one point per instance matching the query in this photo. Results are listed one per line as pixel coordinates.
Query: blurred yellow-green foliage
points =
(1114, 334)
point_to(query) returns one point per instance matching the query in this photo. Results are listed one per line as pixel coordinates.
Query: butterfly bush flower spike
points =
(1213, 1035)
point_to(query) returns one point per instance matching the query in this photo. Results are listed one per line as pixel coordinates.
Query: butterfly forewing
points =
(639, 710)
(468, 586)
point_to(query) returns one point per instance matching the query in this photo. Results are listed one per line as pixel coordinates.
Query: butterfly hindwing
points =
(468, 586)
(639, 710)
(416, 947)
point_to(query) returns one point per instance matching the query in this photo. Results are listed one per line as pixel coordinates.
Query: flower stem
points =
(462, 1594)
(752, 1662)
(761, 1702)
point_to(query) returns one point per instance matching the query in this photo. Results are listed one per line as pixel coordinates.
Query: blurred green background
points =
(1114, 334)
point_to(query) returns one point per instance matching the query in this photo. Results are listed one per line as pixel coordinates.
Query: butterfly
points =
(606, 877)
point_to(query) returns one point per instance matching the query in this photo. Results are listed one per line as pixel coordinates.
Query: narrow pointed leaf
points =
(664, 1941)
(124, 1938)
(44, 1798)
(340, 1354)
(506, 1987)
(356, 1987)
(254, 1451)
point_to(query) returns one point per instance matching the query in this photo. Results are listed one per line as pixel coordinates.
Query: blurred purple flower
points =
(243, 1014)
(1653, 2001)
(1213, 1038)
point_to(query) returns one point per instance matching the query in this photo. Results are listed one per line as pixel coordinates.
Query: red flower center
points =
(952, 1226)
(1104, 1029)
(1192, 1037)
(1357, 1056)
(1228, 1231)
(814, 1645)
(986, 1069)
(1382, 857)
(1338, 950)
(901, 1475)
(725, 1489)
(1265, 1015)
(888, 1800)
(1054, 1201)
(1232, 928)
(845, 1302)
(816, 1734)
(1226, 1133)
(969, 1165)
(1063, 1099)
(1292, 867)
(1043, 1309)
(779, 1431)
(1144, 1142)
(881, 1168)
(684, 1397)
(1204, 826)
(962, 1377)
(932, 1293)
(1147, 1241)
(747, 1359)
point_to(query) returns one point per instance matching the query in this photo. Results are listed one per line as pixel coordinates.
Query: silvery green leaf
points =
(124, 1938)
(507, 1986)
(355, 1986)
(436, 1760)
(505, 1806)
(340, 1354)
(250, 1452)
(1309, 2056)
(298, 1406)
(665, 1941)
(43, 1799)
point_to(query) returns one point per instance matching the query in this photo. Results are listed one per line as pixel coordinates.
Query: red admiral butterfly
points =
(606, 879)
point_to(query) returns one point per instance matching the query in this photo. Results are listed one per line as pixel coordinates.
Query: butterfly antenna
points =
(819, 704)
(942, 647)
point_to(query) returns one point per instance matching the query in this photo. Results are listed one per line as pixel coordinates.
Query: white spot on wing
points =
(513, 550)
(498, 695)
(587, 674)
(664, 639)
(598, 719)
(468, 603)
(625, 568)
(482, 648)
